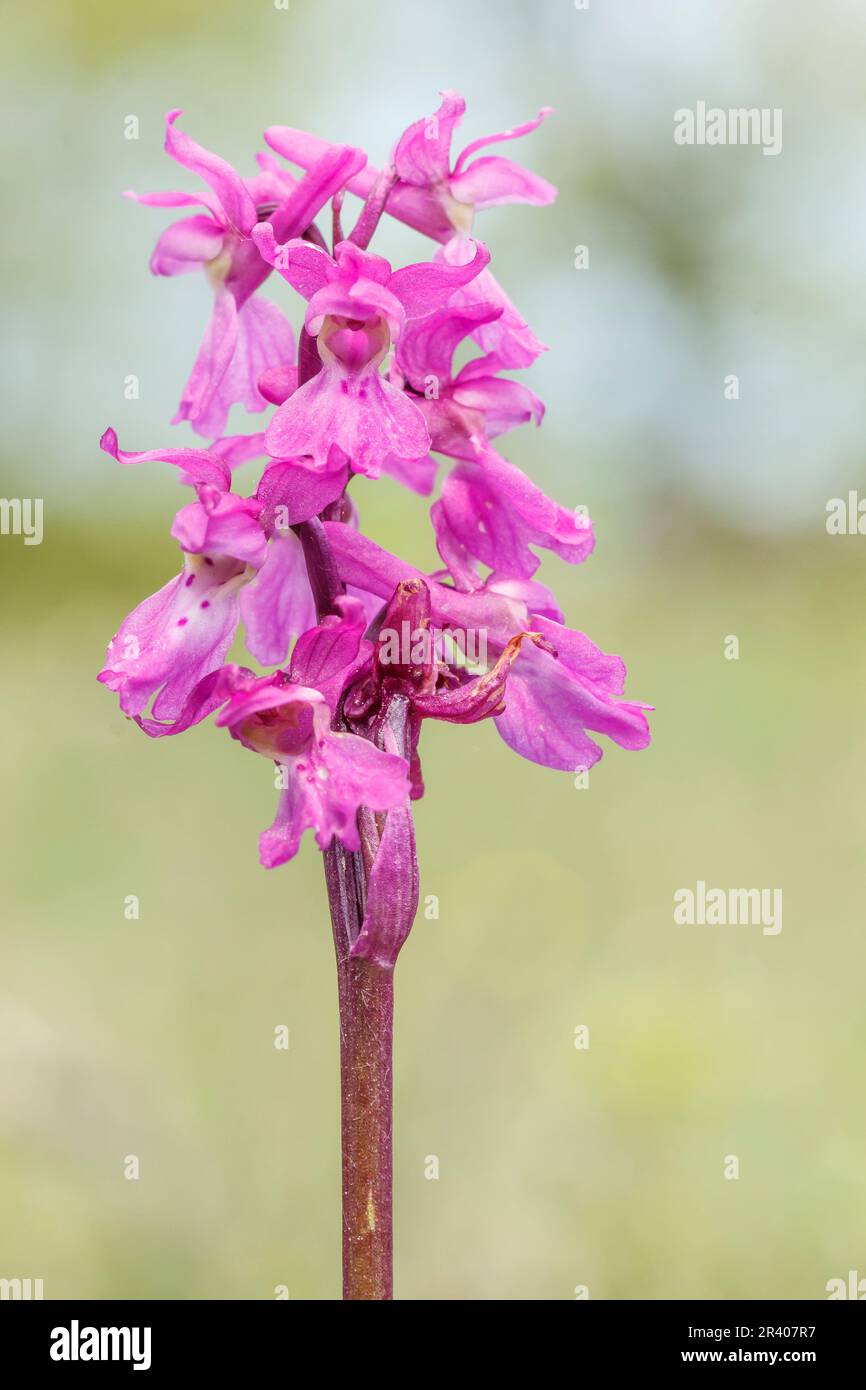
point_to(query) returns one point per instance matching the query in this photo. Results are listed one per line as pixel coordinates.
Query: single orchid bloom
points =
(182, 632)
(465, 408)
(247, 334)
(357, 306)
(430, 193)
(490, 512)
(231, 571)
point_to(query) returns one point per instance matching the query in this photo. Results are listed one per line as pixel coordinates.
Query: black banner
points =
(156, 1338)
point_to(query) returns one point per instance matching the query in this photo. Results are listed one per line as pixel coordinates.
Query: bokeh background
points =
(557, 1167)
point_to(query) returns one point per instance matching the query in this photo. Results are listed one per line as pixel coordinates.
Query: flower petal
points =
(187, 245)
(508, 338)
(491, 180)
(293, 491)
(328, 657)
(363, 414)
(175, 638)
(326, 787)
(423, 153)
(240, 345)
(236, 203)
(428, 285)
(306, 150)
(198, 465)
(427, 344)
(496, 514)
(332, 170)
(550, 706)
(278, 604)
(513, 133)
(307, 268)
(221, 523)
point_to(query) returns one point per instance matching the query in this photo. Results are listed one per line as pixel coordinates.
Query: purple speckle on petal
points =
(205, 603)
(208, 560)
(182, 621)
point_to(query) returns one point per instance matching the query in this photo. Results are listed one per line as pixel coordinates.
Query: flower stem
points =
(366, 997)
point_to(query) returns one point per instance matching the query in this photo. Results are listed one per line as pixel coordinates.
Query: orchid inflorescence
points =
(337, 622)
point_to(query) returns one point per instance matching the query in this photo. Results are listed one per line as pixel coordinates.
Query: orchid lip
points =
(355, 344)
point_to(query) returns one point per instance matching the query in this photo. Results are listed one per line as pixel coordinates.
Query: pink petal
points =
(201, 402)
(508, 338)
(236, 203)
(236, 449)
(172, 198)
(496, 514)
(328, 657)
(422, 154)
(222, 524)
(306, 150)
(326, 787)
(550, 706)
(307, 268)
(199, 465)
(363, 414)
(424, 287)
(419, 475)
(175, 638)
(361, 299)
(504, 404)
(514, 133)
(292, 491)
(239, 347)
(335, 167)
(493, 180)
(278, 604)
(186, 246)
(427, 344)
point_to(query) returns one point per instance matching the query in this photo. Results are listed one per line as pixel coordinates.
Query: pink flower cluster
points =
(369, 386)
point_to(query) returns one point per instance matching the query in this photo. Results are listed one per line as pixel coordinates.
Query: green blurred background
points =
(557, 1167)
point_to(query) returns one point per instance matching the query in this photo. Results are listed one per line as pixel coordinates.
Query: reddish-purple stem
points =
(366, 995)
(366, 999)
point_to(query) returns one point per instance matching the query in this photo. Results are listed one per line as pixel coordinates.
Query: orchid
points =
(247, 334)
(355, 648)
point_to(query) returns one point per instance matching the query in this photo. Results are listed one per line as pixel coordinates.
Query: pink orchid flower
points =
(430, 193)
(181, 633)
(357, 306)
(247, 334)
